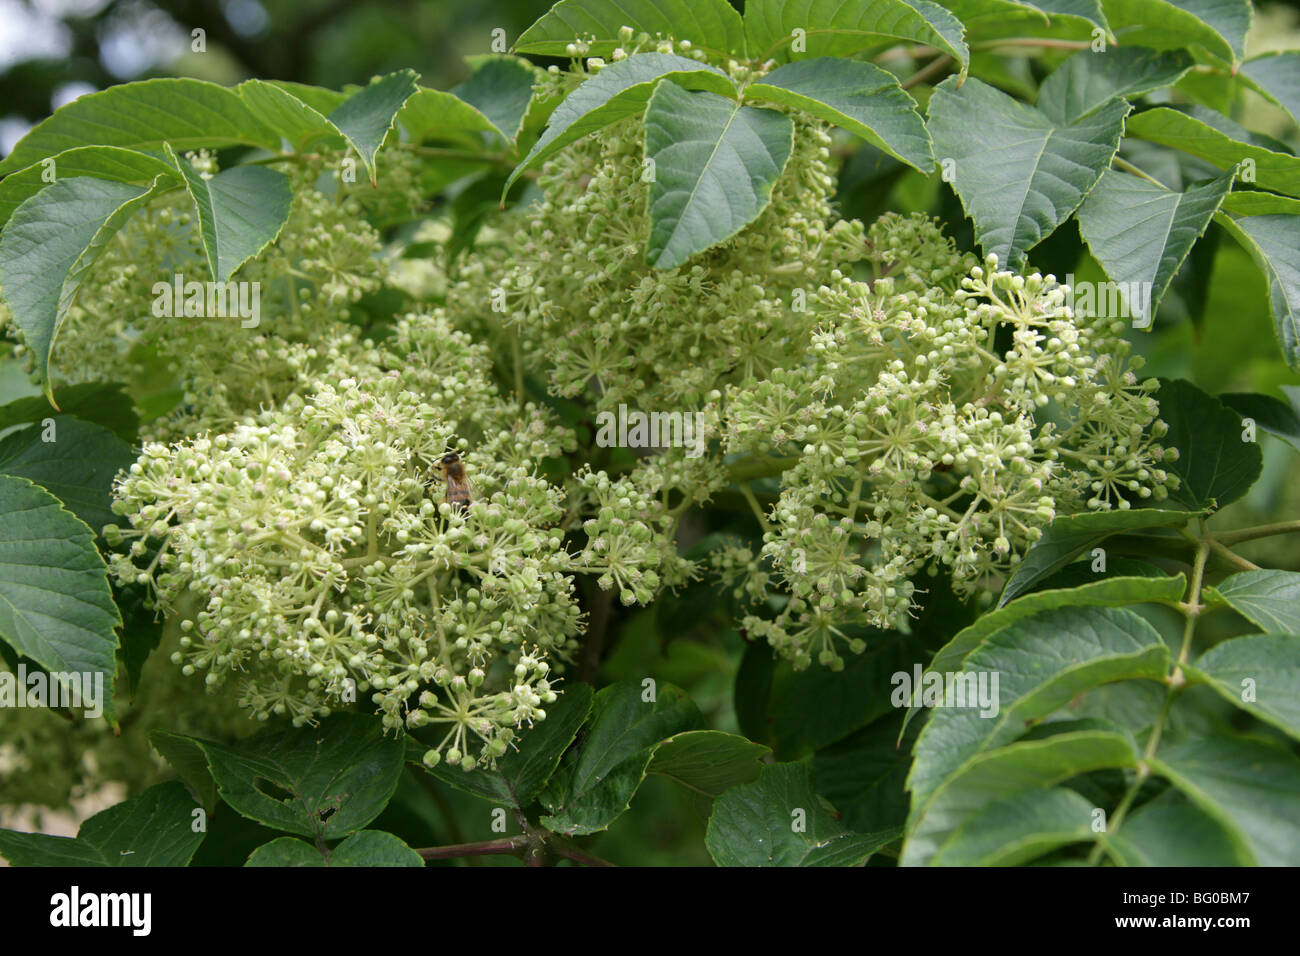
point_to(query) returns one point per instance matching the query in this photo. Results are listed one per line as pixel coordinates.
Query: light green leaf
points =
(97, 162)
(321, 782)
(708, 761)
(366, 116)
(240, 210)
(1268, 599)
(364, 848)
(50, 242)
(987, 20)
(711, 25)
(154, 829)
(56, 607)
(500, 87)
(715, 163)
(1019, 174)
(1259, 673)
(860, 97)
(1141, 233)
(1041, 663)
(1215, 465)
(835, 28)
(1019, 828)
(520, 775)
(1068, 536)
(1259, 204)
(620, 90)
(299, 124)
(189, 114)
(1203, 135)
(1276, 75)
(1219, 26)
(1274, 243)
(596, 780)
(1088, 80)
(1172, 831)
(77, 466)
(1252, 788)
(752, 824)
(435, 114)
(995, 775)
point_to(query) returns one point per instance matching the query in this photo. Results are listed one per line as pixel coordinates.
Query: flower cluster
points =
(310, 552)
(936, 419)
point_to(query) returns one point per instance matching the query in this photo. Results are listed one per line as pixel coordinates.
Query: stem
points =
(927, 71)
(562, 846)
(1259, 531)
(1236, 560)
(1032, 42)
(756, 507)
(1124, 164)
(507, 845)
(1192, 609)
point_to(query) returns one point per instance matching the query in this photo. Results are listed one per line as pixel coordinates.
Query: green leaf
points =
(862, 98)
(56, 607)
(863, 775)
(1203, 135)
(189, 114)
(1268, 599)
(49, 243)
(1276, 75)
(1040, 663)
(995, 775)
(104, 403)
(366, 116)
(186, 757)
(1250, 787)
(77, 467)
(1259, 673)
(500, 87)
(1019, 828)
(321, 782)
(598, 777)
(301, 126)
(1259, 204)
(1172, 831)
(435, 114)
(1105, 592)
(1068, 536)
(1141, 233)
(1215, 465)
(1018, 173)
(779, 820)
(708, 761)
(1088, 80)
(98, 162)
(1274, 243)
(711, 25)
(1273, 415)
(834, 28)
(364, 848)
(715, 163)
(520, 775)
(1219, 26)
(240, 212)
(620, 90)
(154, 829)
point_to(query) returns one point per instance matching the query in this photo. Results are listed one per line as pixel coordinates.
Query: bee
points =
(460, 489)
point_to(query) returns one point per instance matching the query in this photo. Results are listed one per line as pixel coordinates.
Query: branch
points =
(513, 846)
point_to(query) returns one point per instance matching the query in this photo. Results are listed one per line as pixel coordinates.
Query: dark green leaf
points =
(364, 848)
(708, 761)
(157, 828)
(321, 782)
(1172, 831)
(779, 820)
(1215, 465)
(1271, 414)
(1019, 174)
(1088, 80)
(715, 163)
(860, 97)
(1274, 243)
(103, 403)
(500, 87)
